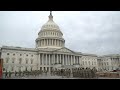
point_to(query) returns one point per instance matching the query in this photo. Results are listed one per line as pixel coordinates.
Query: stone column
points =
(79, 59)
(52, 42)
(57, 58)
(49, 42)
(68, 59)
(60, 43)
(46, 60)
(49, 60)
(60, 58)
(41, 42)
(63, 60)
(39, 60)
(74, 59)
(42, 58)
(53, 58)
(45, 42)
(55, 42)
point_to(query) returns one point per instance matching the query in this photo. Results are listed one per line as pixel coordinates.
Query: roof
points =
(86, 54)
(111, 55)
(18, 48)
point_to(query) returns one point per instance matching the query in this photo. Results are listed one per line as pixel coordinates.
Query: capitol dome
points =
(50, 35)
(50, 25)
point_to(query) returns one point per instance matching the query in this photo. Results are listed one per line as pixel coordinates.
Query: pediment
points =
(65, 50)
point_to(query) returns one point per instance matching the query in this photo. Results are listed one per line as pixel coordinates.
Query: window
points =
(7, 53)
(13, 54)
(12, 69)
(20, 54)
(86, 62)
(20, 60)
(107, 63)
(7, 60)
(95, 63)
(26, 61)
(31, 61)
(89, 62)
(27, 55)
(13, 59)
(31, 55)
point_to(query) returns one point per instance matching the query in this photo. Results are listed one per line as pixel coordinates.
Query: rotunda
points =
(50, 35)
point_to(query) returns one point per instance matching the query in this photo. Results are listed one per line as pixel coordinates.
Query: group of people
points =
(84, 72)
(24, 73)
(61, 72)
(75, 72)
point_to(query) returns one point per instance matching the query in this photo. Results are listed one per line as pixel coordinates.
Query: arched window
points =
(8, 54)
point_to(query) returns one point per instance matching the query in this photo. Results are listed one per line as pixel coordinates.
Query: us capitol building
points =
(51, 52)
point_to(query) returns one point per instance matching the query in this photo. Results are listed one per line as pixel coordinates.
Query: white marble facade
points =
(109, 62)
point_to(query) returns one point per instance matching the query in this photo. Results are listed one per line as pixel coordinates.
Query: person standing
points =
(6, 74)
(9, 74)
